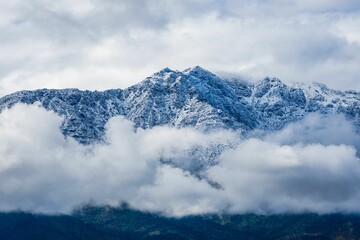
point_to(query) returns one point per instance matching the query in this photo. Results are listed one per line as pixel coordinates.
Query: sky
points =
(101, 44)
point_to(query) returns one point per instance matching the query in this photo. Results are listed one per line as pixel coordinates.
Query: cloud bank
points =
(100, 44)
(43, 172)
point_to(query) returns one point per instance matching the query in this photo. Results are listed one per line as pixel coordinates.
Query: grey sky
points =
(100, 44)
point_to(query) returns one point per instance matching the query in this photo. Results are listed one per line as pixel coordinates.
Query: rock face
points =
(194, 97)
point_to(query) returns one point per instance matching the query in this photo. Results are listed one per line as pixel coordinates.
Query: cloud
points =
(177, 193)
(301, 168)
(93, 44)
(42, 171)
(316, 128)
(284, 178)
(332, 5)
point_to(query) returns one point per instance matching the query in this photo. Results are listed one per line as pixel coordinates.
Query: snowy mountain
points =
(194, 97)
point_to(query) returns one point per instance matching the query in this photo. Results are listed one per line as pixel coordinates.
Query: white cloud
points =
(265, 177)
(177, 193)
(327, 5)
(315, 128)
(41, 171)
(79, 9)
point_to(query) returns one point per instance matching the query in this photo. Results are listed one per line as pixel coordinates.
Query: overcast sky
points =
(100, 44)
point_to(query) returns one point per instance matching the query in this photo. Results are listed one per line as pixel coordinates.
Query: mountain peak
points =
(271, 81)
(163, 72)
(197, 71)
(163, 76)
(320, 86)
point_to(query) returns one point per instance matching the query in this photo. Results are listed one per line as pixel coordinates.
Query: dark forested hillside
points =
(124, 223)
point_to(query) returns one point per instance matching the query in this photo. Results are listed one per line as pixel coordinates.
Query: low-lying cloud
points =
(42, 171)
(266, 177)
(316, 128)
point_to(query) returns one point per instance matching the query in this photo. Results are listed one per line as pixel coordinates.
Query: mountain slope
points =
(194, 97)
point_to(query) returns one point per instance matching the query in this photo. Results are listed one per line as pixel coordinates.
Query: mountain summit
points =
(194, 97)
